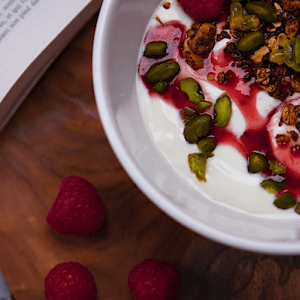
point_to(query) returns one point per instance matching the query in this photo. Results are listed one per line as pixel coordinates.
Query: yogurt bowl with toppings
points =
(203, 115)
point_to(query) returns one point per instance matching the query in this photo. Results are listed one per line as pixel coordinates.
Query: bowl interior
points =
(118, 37)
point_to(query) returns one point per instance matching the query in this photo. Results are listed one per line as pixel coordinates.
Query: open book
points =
(32, 34)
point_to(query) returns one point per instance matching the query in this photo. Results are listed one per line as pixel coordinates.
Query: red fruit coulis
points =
(242, 92)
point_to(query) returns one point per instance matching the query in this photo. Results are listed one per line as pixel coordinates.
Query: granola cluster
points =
(271, 62)
(290, 116)
(199, 43)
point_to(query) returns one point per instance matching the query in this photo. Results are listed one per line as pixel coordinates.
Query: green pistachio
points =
(189, 112)
(257, 162)
(236, 15)
(222, 111)
(273, 186)
(285, 201)
(156, 49)
(263, 10)
(250, 22)
(160, 87)
(277, 168)
(283, 53)
(165, 70)
(197, 163)
(283, 41)
(287, 53)
(197, 127)
(204, 105)
(238, 20)
(192, 89)
(250, 41)
(296, 50)
(291, 64)
(207, 145)
(279, 55)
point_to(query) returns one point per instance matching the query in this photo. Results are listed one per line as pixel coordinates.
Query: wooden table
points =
(56, 133)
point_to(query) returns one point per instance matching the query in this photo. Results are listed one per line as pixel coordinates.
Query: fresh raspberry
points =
(202, 10)
(70, 281)
(154, 279)
(78, 209)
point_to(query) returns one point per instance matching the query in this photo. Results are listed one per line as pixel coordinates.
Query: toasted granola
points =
(272, 62)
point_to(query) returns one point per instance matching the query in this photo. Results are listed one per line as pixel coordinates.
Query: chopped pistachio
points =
(156, 49)
(204, 105)
(257, 162)
(222, 111)
(187, 111)
(160, 87)
(192, 89)
(277, 168)
(273, 186)
(197, 127)
(197, 163)
(207, 145)
(285, 201)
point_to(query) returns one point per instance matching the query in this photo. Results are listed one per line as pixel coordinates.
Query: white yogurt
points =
(228, 180)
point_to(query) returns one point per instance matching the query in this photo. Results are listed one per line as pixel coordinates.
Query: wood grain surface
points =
(56, 133)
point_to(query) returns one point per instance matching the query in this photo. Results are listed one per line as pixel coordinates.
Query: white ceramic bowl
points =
(118, 36)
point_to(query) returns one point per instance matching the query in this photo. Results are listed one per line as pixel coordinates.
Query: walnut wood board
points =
(57, 132)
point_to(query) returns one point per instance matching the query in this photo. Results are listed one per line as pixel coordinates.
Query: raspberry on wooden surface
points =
(154, 279)
(70, 281)
(78, 209)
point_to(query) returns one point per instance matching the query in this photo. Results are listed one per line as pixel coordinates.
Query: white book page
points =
(26, 28)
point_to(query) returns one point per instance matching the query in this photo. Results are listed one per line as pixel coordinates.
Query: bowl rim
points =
(136, 174)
